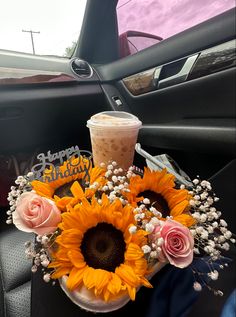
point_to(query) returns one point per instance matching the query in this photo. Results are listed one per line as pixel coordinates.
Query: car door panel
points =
(213, 32)
(43, 114)
(192, 118)
(35, 118)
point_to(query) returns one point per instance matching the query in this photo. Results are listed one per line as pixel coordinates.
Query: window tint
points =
(161, 19)
(41, 27)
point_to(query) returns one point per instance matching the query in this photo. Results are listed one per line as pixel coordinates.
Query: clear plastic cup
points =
(113, 137)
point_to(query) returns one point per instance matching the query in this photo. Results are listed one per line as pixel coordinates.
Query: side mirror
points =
(131, 42)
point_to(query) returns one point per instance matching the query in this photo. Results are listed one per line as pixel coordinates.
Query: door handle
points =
(177, 78)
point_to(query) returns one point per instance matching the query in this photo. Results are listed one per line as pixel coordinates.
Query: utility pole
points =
(32, 38)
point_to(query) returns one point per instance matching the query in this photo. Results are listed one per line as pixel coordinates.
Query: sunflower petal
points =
(145, 282)
(89, 277)
(140, 266)
(139, 237)
(70, 238)
(185, 219)
(96, 173)
(115, 284)
(76, 259)
(177, 197)
(42, 189)
(69, 221)
(62, 202)
(106, 295)
(126, 273)
(60, 272)
(75, 278)
(101, 280)
(77, 190)
(132, 292)
(133, 252)
(179, 208)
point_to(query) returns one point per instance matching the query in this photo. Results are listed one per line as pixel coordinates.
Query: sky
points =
(59, 21)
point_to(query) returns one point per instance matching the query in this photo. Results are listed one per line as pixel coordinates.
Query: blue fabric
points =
(174, 295)
(202, 265)
(229, 309)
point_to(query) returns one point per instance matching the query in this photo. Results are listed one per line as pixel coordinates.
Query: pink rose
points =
(36, 214)
(178, 243)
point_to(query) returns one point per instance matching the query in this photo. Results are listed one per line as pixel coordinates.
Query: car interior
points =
(181, 88)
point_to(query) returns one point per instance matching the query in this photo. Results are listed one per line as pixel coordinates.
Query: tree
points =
(70, 49)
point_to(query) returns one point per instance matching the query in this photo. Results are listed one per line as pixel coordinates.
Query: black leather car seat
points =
(15, 272)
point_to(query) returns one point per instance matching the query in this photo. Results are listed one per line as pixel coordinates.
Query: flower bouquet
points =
(103, 232)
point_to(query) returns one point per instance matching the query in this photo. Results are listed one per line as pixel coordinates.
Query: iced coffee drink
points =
(113, 137)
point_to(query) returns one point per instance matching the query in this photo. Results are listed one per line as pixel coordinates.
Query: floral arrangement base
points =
(86, 299)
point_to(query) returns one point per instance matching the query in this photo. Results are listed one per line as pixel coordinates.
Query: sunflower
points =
(69, 189)
(158, 187)
(96, 249)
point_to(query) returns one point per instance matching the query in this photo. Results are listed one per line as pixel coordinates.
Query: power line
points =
(32, 38)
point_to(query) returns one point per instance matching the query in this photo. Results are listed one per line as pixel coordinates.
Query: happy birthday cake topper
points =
(48, 168)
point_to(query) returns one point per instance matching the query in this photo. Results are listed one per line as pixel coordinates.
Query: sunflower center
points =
(157, 201)
(64, 190)
(103, 247)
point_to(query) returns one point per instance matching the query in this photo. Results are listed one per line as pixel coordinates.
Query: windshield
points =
(41, 27)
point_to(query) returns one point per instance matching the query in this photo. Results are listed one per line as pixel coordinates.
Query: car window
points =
(41, 27)
(161, 19)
